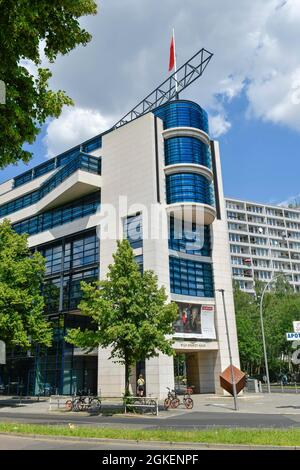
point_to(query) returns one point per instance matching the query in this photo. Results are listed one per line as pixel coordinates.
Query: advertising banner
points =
(195, 321)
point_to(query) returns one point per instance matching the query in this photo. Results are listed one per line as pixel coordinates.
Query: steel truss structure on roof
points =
(170, 88)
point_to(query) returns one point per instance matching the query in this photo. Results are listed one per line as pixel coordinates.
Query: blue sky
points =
(249, 88)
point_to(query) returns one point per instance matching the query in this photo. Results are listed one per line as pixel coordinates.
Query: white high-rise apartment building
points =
(264, 240)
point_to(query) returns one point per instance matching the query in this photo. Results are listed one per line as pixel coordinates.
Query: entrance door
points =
(186, 372)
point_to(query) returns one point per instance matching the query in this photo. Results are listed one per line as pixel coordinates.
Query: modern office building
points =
(264, 240)
(152, 176)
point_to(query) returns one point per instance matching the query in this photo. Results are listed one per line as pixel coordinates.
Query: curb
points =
(189, 445)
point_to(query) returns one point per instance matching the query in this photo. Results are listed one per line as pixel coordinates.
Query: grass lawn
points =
(278, 437)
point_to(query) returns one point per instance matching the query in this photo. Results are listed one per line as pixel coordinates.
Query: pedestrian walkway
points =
(263, 403)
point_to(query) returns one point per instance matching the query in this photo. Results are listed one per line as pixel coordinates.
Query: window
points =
(183, 114)
(187, 150)
(72, 293)
(189, 238)
(68, 262)
(84, 162)
(140, 262)
(185, 187)
(133, 230)
(79, 208)
(192, 278)
(56, 162)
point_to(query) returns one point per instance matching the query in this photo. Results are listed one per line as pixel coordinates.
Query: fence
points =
(142, 403)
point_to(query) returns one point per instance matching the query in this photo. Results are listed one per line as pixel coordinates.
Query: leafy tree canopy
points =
(27, 28)
(130, 313)
(21, 304)
(281, 306)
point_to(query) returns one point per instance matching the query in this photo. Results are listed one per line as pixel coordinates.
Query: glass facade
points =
(81, 162)
(47, 371)
(60, 160)
(189, 277)
(187, 150)
(187, 237)
(183, 114)
(189, 187)
(68, 262)
(62, 215)
(133, 230)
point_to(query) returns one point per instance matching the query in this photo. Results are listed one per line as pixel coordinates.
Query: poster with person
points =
(195, 321)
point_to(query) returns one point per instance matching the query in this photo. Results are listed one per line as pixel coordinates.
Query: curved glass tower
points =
(189, 196)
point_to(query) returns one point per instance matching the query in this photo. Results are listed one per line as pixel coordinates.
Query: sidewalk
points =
(259, 403)
(263, 403)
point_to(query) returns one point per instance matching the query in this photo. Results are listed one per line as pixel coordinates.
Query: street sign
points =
(292, 336)
(2, 353)
(296, 325)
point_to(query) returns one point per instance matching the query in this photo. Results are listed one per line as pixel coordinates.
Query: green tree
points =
(129, 311)
(22, 321)
(26, 26)
(281, 306)
(248, 328)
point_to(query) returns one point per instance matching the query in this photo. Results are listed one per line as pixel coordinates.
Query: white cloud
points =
(73, 127)
(255, 46)
(218, 125)
(293, 200)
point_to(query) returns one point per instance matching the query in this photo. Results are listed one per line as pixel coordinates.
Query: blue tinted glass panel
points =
(82, 162)
(58, 161)
(183, 114)
(140, 262)
(92, 144)
(189, 187)
(133, 230)
(187, 150)
(68, 262)
(189, 238)
(23, 178)
(72, 293)
(45, 168)
(192, 278)
(67, 213)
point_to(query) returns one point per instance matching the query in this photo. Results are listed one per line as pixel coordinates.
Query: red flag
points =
(172, 55)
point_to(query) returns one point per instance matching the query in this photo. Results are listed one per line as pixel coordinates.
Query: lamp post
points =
(263, 329)
(229, 350)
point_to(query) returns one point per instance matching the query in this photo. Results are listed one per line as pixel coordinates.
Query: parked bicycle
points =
(84, 402)
(172, 395)
(173, 401)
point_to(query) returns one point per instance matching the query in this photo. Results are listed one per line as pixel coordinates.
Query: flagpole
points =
(175, 65)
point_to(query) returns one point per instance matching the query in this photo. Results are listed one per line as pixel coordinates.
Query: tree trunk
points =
(127, 375)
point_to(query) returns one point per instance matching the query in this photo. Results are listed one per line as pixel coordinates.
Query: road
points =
(187, 420)
(29, 443)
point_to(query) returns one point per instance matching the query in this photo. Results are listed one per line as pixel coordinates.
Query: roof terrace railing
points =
(81, 162)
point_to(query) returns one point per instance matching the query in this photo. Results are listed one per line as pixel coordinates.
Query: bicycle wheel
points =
(189, 403)
(78, 404)
(137, 405)
(152, 404)
(167, 403)
(175, 403)
(95, 405)
(69, 405)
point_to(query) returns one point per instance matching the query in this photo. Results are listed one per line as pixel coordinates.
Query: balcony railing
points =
(81, 161)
